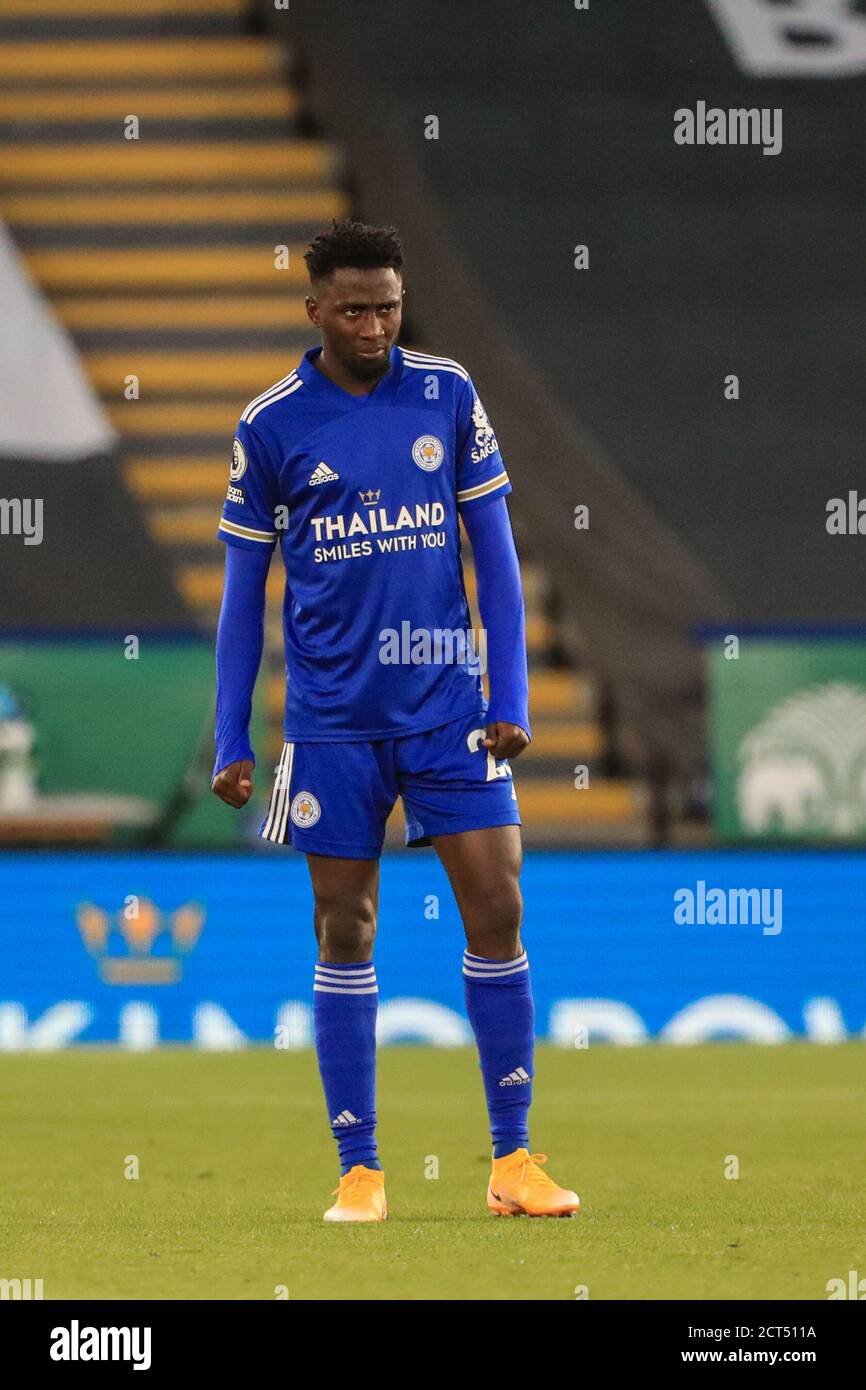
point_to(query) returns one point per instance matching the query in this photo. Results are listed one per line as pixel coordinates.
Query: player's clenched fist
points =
(505, 740)
(234, 784)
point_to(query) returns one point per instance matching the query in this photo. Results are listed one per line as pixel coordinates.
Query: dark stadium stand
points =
(97, 566)
(158, 256)
(703, 262)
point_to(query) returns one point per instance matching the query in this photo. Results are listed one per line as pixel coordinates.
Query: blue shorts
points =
(335, 798)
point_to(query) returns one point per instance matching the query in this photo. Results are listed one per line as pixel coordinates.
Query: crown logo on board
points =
(156, 943)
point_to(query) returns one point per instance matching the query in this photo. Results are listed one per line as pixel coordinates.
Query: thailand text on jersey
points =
(363, 494)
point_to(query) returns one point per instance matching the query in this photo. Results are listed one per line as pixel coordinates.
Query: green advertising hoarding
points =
(788, 735)
(109, 740)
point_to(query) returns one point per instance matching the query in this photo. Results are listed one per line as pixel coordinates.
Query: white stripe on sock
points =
(509, 969)
(479, 962)
(333, 989)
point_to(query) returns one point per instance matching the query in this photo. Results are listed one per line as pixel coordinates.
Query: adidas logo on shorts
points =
(516, 1078)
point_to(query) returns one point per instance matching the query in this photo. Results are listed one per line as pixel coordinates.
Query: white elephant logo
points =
(803, 768)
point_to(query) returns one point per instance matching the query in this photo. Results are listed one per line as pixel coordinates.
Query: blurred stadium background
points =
(696, 634)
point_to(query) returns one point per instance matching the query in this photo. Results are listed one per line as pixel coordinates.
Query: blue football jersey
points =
(363, 495)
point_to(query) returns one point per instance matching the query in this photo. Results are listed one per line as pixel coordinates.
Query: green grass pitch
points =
(237, 1165)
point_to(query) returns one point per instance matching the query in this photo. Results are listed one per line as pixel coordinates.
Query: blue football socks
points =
(345, 1002)
(500, 1008)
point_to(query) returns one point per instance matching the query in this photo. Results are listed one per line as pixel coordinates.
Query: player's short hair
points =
(348, 243)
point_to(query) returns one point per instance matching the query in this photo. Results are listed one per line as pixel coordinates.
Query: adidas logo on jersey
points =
(516, 1078)
(345, 1117)
(322, 474)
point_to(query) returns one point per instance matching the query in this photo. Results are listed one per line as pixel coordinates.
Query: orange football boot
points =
(360, 1196)
(518, 1187)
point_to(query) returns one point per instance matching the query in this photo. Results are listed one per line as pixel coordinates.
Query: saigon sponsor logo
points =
(485, 439)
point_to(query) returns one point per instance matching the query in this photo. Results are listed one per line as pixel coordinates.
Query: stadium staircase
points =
(162, 257)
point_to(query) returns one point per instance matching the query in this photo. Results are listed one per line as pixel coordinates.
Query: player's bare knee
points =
(345, 928)
(493, 923)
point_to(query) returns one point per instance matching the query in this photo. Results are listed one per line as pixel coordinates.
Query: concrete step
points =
(173, 421)
(109, 208)
(535, 582)
(179, 480)
(165, 163)
(58, 108)
(189, 525)
(226, 313)
(201, 585)
(205, 373)
(570, 741)
(86, 61)
(174, 268)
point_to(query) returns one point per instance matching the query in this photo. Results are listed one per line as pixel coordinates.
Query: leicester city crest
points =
(305, 810)
(428, 452)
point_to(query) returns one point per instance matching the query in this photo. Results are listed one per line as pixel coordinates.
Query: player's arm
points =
(482, 486)
(248, 528)
(239, 646)
(503, 617)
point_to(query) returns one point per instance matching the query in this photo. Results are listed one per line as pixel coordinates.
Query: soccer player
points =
(359, 464)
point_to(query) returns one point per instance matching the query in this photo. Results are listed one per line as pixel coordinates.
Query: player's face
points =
(359, 312)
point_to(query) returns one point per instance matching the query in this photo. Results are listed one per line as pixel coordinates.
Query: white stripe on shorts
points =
(275, 825)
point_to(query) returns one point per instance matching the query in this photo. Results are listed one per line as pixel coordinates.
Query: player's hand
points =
(234, 784)
(505, 740)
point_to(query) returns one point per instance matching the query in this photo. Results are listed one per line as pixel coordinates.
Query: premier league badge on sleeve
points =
(239, 461)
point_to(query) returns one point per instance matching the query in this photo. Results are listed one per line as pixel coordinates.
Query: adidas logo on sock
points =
(346, 1117)
(516, 1078)
(323, 474)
